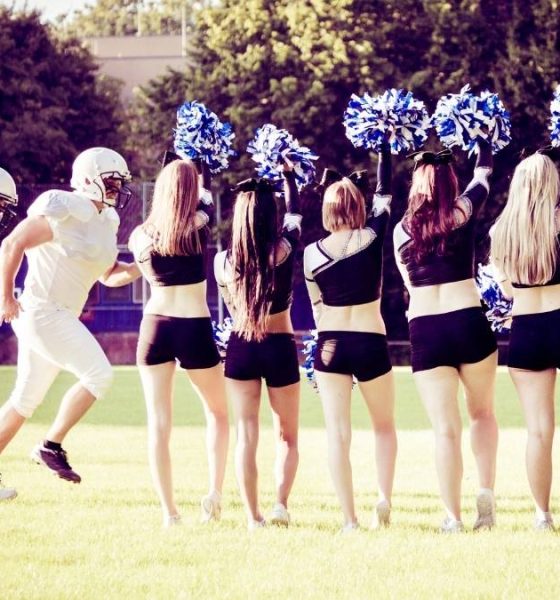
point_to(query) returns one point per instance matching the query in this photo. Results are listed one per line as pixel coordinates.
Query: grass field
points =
(103, 538)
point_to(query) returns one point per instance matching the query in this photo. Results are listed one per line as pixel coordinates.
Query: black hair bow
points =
(358, 178)
(425, 157)
(170, 156)
(253, 185)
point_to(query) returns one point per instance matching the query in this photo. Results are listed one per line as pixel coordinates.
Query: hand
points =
(9, 309)
(287, 165)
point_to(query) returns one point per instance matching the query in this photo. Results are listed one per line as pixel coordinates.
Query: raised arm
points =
(291, 228)
(477, 191)
(378, 219)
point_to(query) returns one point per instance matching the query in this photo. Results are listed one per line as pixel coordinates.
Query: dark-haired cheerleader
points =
(451, 340)
(255, 279)
(343, 272)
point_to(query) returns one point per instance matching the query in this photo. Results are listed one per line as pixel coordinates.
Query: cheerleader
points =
(525, 247)
(170, 248)
(255, 279)
(451, 340)
(70, 241)
(343, 272)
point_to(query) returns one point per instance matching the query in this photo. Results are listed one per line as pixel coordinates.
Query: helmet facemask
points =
(115, 192)
(7, 211)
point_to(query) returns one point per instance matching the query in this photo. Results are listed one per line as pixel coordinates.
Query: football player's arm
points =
(120, 274)
(31, 232)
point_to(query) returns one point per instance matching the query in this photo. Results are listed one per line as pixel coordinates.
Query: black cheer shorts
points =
(534, 341)
(274, 358)
(450, 339)
(187, 340)
(364, 355)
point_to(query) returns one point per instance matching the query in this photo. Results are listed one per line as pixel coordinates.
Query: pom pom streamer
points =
(499, 307)
(201, 135)
(555, 119)
(464, 119)
(272, 145)
(396, 118)
(222, 332)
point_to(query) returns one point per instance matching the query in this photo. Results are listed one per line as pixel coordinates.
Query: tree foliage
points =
(52, 102)
(295, 63)
(132, 17)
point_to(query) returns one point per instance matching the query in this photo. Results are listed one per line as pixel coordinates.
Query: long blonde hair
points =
(524, 240)
(254, 234)
(171, 222)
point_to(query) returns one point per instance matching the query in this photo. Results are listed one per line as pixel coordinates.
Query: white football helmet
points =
(101, 174)
(8, 199)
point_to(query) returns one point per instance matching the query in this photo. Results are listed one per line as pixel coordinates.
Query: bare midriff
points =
(442, 298)
(529, 301)
(359, 317)
(184, 301)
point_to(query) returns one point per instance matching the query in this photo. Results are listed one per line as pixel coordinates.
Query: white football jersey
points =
(84, 245)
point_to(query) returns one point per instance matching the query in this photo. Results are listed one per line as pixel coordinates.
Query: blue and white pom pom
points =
(222, 333)
(555, 119)
(309, 349)
(201, 135)
(464, 119)
(499, 307)
(272, 145)
(395, 117)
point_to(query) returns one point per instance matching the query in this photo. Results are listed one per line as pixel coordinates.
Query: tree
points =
(131, 17)
(295, 63)
(52, 104)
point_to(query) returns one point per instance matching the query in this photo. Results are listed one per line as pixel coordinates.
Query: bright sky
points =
(49, 8)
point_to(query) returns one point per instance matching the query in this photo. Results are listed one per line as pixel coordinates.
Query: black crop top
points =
(354, 278)
(285, 246)
(555, 280)
(458, 261)
(161, 271)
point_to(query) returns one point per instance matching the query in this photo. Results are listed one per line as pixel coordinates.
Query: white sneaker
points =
(279, 515)
(6, 493)
(544, 523)
(211, 507)
(172, 521)
(382, 516)
(486, 507)
(255, 524)
(451, 525)
(350, 528)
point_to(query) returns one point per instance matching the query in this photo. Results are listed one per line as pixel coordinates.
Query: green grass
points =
(103, 538)
(124, 404)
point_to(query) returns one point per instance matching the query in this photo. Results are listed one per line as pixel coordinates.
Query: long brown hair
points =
(251, 254)
(430, 214)
(171, 222)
